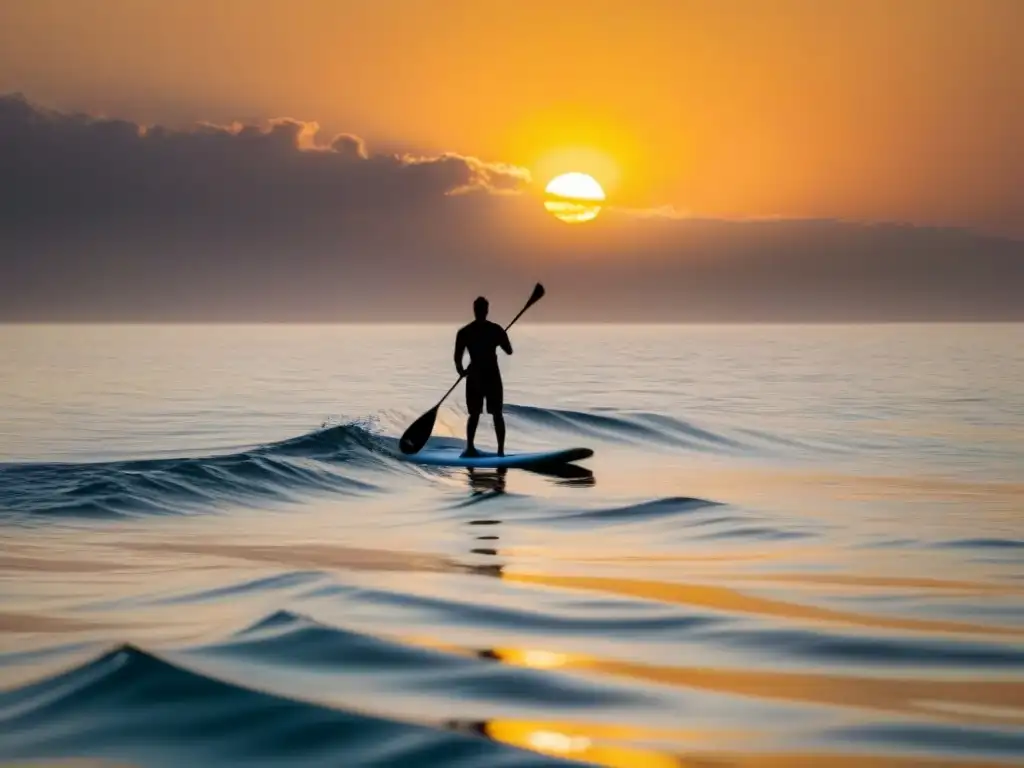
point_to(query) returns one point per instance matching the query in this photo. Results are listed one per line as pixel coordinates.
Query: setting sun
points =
(574, 197)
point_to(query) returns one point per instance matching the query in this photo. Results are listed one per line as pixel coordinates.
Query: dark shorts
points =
(480, 388)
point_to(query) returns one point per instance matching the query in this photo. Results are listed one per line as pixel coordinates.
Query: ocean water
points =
(794, 546)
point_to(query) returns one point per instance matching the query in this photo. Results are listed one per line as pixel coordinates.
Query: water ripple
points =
(644, 615)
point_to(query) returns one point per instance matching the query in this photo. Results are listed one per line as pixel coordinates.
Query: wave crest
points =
(328, 459)
(198, 718)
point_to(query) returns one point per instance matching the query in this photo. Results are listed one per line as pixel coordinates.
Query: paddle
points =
(416, 436)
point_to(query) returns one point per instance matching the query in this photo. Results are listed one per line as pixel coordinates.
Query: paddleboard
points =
(452, 457)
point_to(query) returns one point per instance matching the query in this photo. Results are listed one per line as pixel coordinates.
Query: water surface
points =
(793, 546)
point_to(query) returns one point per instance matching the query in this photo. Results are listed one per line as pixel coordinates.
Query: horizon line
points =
(415, 323)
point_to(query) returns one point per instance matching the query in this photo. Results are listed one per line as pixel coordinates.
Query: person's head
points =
(480, 307)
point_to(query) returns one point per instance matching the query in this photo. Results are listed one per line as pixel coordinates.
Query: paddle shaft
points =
(444, 397)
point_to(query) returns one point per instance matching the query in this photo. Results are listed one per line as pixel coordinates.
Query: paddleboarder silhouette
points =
(418, 433)
(482, 339)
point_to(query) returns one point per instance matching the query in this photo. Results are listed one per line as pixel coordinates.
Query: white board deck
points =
(452, 457)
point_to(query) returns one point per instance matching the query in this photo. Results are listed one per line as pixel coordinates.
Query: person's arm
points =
(460, 350)
(504, 342)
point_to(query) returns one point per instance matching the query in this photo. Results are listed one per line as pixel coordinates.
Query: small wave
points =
(264, 585)
(680, 517)
(988, 550)
(326, 460)
(177, 716)
(637, 428)
(986, 742)
(985, 544)
(304, 646)
(660, 430)
(756, 533)
(569, 616)
(646, 511)
(877, 651)
(340, 459)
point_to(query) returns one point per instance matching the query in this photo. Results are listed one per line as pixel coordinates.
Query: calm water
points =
(798, 546)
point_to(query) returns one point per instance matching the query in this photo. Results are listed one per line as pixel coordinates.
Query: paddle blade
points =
(416, 436)
(537, 295)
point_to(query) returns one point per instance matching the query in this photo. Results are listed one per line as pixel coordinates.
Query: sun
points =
(574, 197)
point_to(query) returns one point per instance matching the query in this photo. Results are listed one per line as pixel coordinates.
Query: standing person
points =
(482, 338)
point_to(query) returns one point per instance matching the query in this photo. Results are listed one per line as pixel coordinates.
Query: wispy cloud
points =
(108, 219)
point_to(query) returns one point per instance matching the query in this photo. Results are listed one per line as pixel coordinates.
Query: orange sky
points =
(876, 109)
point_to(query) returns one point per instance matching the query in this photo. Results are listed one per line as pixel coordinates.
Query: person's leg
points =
(495, 405)
(475, 406)
(471, 424)
(499, 432)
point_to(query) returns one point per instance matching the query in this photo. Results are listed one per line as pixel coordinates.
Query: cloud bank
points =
(105, 219)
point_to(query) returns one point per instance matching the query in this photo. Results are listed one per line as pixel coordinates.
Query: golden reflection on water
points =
(942, 697)
(859, 584)
(974, 700)
(586, 742)
(730, 600)
(597, 744)
(987, 702)
(983, 701)
(994, 702)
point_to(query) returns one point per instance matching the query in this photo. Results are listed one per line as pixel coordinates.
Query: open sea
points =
(794, 546)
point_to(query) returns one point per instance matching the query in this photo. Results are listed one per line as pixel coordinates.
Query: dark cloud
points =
(104, 219)
(78, 166)
(349, 146)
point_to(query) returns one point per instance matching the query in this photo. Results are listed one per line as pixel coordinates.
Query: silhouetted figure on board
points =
(482, 338)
